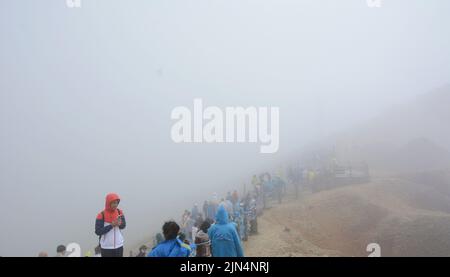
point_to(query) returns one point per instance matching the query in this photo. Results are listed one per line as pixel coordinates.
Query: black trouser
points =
(118, 252)
(253, 226)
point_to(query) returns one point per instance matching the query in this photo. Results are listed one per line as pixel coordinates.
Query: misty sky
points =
(86, 96)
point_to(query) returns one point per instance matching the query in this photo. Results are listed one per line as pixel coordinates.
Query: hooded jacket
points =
(225, 241)
(110, 237)
(170, 248)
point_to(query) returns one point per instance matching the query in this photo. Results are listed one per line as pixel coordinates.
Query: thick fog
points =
(86, 96)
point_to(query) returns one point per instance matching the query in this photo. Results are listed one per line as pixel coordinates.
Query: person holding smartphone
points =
(109, 225)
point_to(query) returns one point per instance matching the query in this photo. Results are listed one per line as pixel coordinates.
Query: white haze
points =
(86, 96)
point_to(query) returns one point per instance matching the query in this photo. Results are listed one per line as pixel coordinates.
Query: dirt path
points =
(279, 237)
(404, 218)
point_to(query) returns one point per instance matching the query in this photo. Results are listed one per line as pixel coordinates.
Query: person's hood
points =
(110, 198)
(221, 215)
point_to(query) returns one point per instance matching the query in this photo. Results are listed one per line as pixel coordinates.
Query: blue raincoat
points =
(170, 248)
(225, 241)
